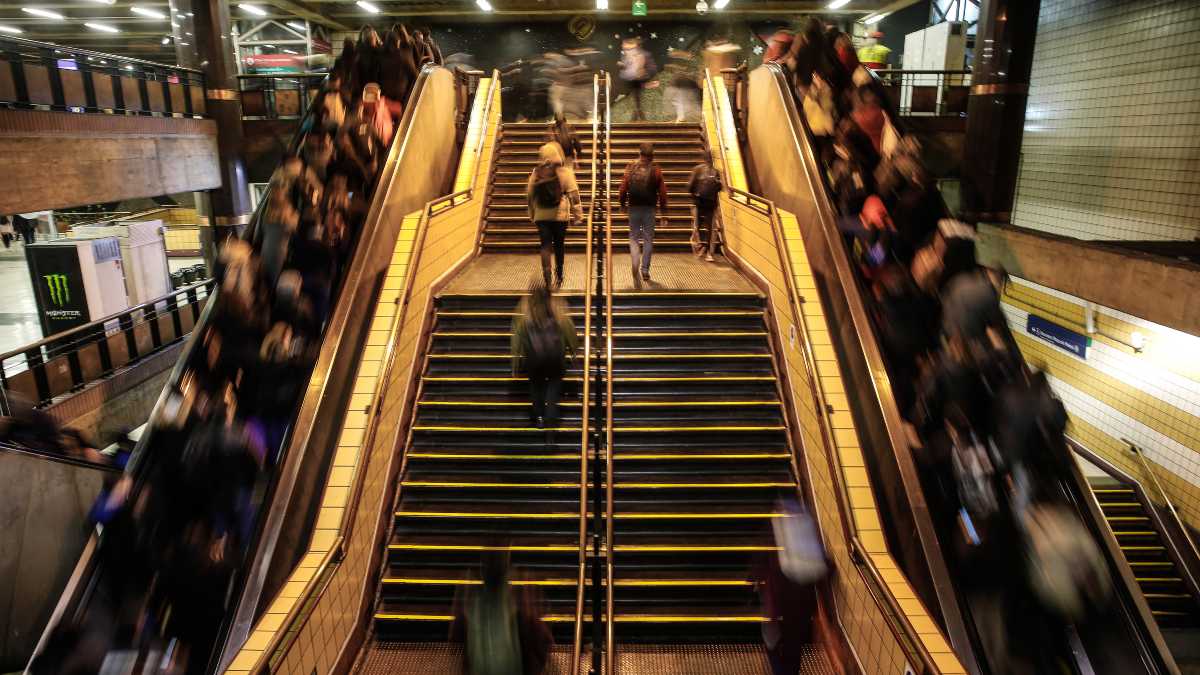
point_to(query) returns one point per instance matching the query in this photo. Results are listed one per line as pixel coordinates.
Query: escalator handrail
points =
(337, 551)
(51, 456)
(586, 417)
(609, 636)
(1127, 479)
(905, 632)
(953, 614)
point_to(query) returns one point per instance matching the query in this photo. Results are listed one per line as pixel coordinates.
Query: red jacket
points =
(658, 178)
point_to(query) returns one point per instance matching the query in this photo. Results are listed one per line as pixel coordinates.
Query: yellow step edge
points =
(699, 429)
(1157, 580)
(704, 456)
(469, 514)
(618, 404)
(453, 455)
(715, 378)
(767, 484)
(504, 378)
(550, 548)
(690, 549)
(695, 516)
(435, 484)
(474, 582)
(494, 429)
(387, 616)
(653, 618)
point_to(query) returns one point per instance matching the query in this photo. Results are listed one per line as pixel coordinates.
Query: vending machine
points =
(76, 282)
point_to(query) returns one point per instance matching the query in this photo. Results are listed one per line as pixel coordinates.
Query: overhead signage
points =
(266, 64)
(639, 7)
(1063, 338)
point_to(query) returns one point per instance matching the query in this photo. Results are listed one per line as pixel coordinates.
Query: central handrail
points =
(585, 416)
(610, 651)
(906, 633)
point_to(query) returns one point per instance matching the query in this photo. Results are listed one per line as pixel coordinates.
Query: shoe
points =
(558, 279)
(540, 423)
(645, 275)
(699, 251)
(709, 258)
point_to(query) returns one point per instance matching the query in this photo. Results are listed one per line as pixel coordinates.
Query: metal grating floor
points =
(425, 658)
(669, 271)
(692, 659)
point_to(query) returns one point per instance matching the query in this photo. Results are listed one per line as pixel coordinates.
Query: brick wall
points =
(1112, 132)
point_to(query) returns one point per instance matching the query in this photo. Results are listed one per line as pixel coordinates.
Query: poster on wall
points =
(58, 286)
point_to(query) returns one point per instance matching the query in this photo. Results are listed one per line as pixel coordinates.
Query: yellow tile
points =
(873, 541)
(936, 644)
(841, 420)
(271, 622)
(883, 561)
(340, 476)
(335, 496)
(855, 476)
(245, 659)
(947, 664)
(322, 540)
(364, 385)
(923, 625)
(866, 519)
(845, 438)
(861, 498)
(347, 456)
(351, 437)
(355, 420)
(851, 455)
(329, 517)
(310, 560)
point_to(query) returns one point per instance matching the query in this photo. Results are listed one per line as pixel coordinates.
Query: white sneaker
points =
(709, 258)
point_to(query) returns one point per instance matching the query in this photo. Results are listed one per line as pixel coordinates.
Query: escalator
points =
(106, 580)
(784, 162)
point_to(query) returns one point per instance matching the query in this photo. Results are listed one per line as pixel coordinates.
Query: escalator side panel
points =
(336, 583)
(792, 180)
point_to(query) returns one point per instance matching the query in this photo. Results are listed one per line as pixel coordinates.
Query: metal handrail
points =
(609, 640)
(587, 381)
(906, 632)
(24, 42)
(1183, 528)
(52, 456)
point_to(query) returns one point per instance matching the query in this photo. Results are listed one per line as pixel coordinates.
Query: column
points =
(1004, 42)
(204, 39)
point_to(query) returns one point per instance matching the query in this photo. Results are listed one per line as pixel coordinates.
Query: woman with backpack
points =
(705, 188)
(568, 142)
(543, 339)
(553, 197)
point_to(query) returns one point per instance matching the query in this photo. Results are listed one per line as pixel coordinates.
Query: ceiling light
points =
(128, 67)
(484, 5)
(875, 18)
(104, 2)
(269, 46)
(601, 4)
(253, 9)
(146, 11)
(367, 6)
(102, 27)
(289, 51)
(837, 4)
(166, 41)
(10, 29)
(297, 26)
(44, 13)
(720, 4)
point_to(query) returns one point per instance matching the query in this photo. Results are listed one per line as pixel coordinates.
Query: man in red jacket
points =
(642, 188)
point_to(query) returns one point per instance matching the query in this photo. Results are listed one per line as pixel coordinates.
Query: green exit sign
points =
(639, 7)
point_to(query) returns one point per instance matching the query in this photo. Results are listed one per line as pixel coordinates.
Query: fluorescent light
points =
(44, 13)
(102, 27)
(875, 18)
(10, 29)
(484, 5)
(166, 41)
(601, 4)
(296, 26)
(146, 11)
(128, 67)
(104, 2)
(837, 4)
(366, 6)
(289, 51)
(253, 9)
(720, 4)
(269, 46)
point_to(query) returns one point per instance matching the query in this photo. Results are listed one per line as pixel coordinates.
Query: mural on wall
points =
(547, 66)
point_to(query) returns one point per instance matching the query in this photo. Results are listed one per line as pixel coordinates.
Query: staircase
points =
(478, 477)
(508, 228)
(700, 458)
(678, 148)
(1157, 574)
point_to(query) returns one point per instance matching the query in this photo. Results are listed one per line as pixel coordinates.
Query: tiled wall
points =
(1151, 398)
(749, 235)
(1112, 132)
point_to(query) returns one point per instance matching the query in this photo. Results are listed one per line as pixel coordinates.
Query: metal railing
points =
(284, 96)
(1184, 531)
(67, 361)
(609, 637)
(927, 92)
(586, 417)
(896, 619)
(38, 75)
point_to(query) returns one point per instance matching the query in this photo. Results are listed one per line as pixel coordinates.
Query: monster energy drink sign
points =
(58, 284)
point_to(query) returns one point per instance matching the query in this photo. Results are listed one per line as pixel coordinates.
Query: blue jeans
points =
(641, 226)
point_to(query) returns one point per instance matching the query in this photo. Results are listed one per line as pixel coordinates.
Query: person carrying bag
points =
(553, 197)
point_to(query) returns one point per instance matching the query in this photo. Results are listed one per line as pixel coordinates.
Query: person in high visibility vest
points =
(872, 54)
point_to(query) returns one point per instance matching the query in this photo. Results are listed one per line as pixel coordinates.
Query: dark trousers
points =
(7, 239)
(705, 227)
(545, 390)
(553, 236)
(28, 235)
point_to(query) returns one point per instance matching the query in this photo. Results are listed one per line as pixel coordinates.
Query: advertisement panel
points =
(58, 286)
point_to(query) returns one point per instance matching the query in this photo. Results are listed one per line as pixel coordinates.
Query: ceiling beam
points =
(304, 11)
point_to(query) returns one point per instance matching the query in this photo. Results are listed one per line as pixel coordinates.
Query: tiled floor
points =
(669, 271)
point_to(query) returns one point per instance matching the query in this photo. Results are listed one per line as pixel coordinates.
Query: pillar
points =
(203, 33)
(1004, 42)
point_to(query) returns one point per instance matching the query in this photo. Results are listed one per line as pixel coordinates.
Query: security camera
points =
(702, 7)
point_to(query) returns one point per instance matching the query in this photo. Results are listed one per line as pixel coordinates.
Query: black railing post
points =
(36, 365)
(126, 323)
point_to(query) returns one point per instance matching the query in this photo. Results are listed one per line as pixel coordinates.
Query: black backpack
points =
(708, 187)
(642, 186)
(547, 190)
(545, 353)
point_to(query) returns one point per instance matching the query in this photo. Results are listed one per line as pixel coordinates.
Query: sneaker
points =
(645, 275)
(709, 258)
